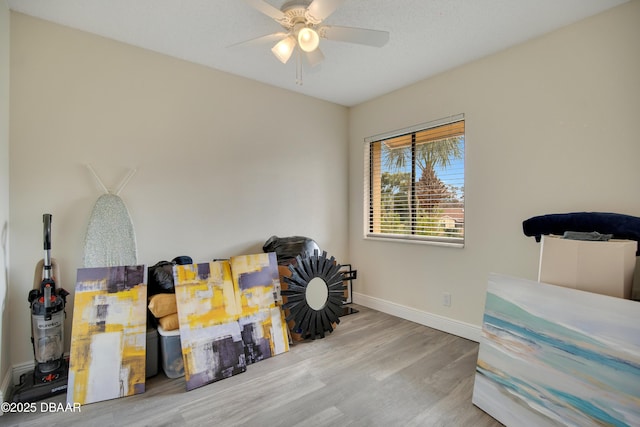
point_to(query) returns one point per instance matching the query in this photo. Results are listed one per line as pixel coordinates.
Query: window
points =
(414, 183)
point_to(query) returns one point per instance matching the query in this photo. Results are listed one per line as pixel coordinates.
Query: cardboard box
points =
(605, 268)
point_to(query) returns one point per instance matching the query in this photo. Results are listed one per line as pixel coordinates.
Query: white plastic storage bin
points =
(171, 353)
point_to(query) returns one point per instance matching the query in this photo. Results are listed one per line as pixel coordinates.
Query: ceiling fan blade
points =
(355, 35)
(314, 57)
(318, 10)
(269, 38)
(267, 9)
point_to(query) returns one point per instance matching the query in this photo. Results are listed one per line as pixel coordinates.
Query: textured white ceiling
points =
(426, 36)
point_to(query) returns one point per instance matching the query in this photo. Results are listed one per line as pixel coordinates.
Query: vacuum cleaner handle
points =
(46, 218)
(48, 277)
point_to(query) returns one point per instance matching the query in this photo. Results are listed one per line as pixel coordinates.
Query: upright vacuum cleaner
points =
(47, 304)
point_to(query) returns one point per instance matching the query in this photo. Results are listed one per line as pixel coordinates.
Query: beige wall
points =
(222, 162)
(4, 187)
(552, 126)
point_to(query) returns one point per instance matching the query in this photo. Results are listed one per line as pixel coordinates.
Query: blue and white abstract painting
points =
(554, 356)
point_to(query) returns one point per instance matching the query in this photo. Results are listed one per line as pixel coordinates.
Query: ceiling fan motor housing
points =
(295, 13)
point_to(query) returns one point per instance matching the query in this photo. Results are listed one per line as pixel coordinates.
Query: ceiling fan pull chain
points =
(298, 67)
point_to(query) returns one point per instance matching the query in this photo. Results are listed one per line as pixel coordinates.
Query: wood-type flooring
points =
(373, 370)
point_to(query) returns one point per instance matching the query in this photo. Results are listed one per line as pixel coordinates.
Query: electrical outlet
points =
(446, 299)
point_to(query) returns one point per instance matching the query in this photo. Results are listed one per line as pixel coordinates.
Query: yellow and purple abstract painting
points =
(208, 312)
(258, 281)
(230, 316)
(108, 336)
(553, 356)
(264, 330)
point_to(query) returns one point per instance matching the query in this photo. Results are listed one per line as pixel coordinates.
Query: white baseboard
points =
(455, 327)
(6, 386)
(22, 368)
(12, 378)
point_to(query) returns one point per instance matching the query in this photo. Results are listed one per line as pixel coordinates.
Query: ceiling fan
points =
(303, 29)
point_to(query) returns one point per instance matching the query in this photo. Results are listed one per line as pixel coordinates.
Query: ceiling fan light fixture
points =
(284, 48)
(308, 39)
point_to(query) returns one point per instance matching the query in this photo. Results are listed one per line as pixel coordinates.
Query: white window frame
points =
(371, 224)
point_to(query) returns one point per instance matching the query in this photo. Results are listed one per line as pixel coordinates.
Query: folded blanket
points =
(587, 235)
(620, 226)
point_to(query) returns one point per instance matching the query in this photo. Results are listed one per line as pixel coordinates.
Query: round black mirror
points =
(315, 294)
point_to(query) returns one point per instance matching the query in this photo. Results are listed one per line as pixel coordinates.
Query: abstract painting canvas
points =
(263, 334)
(553, 356)
(262, 320)
(108, 336)
(258, 281)
(208, 312)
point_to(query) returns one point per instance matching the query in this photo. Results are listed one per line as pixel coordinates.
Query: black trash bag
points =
(160, 275)
(287, 248)
(160, 278)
